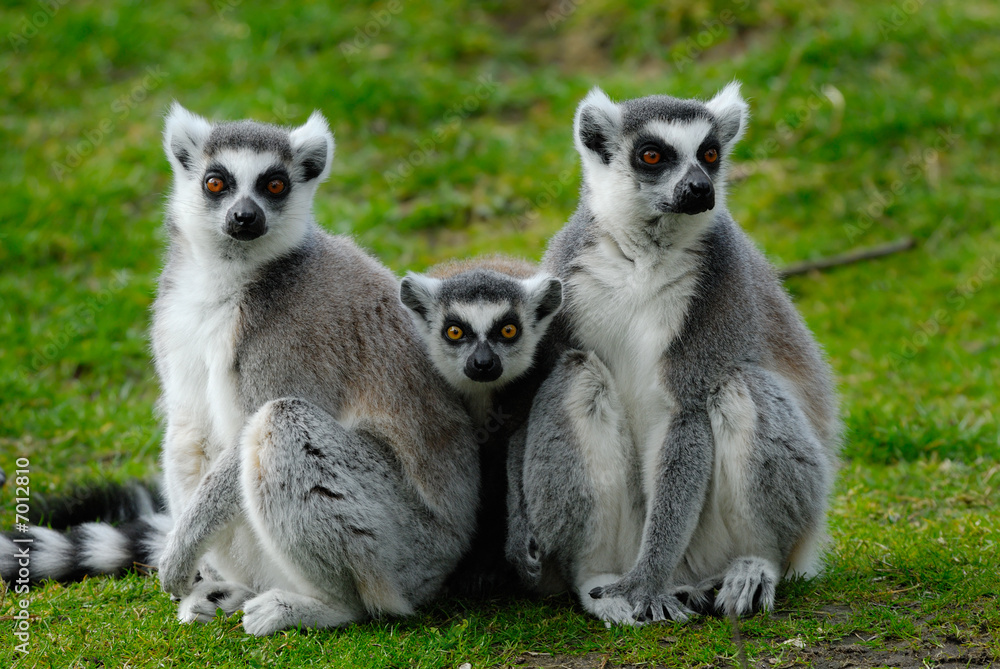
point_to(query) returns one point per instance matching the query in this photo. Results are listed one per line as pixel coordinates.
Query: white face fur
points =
(481, 328)
(657, 158)
(243, 191)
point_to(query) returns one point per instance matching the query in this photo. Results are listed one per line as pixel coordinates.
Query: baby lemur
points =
(484, 323)
(687, 442)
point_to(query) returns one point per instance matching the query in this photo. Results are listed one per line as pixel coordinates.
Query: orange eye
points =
(711, 156)
(454, 333)
(215, 184)
(509, 331)
(276, 186)
(651, 157)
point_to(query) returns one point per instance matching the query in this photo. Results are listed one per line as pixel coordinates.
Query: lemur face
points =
(481, 327)
(658, 155)
(244, 185)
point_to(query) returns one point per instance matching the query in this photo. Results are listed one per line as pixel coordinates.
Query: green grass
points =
(453, 128)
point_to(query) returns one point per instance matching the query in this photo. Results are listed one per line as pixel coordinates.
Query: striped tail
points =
(72, 548)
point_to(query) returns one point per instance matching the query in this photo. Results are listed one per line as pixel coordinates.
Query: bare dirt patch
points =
(847, 653)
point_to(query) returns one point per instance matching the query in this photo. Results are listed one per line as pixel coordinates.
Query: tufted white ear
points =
(732, 112)
(418, 293)
(312, 148)
(545, 296)
(596, 126)
(184, 135)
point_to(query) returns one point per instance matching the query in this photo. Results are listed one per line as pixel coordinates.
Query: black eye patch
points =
(497, 333)
(651, 156)
(710, 154)
(456, 331)
(217, 171)
(273, 174)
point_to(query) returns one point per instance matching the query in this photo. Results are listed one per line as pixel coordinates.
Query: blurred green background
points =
(871, 122)
(453, 125)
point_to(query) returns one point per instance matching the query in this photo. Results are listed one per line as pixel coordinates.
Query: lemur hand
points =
(178, 566)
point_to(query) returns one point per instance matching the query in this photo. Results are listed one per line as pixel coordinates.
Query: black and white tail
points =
(130, 531)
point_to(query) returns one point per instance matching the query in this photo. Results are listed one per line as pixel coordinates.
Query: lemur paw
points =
(660, 608)
(747, 588)
(613, 610)
(266, 614)
(176, 573)
(623, 588)
(207, 597)
(609, 609)
(645, 606)
(699, 598)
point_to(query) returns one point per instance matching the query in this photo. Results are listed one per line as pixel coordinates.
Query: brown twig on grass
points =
(847, 258)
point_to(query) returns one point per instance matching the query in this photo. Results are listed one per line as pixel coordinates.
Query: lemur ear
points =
(184, 134)
(731, 112)
(545, 295)
(417, 292)
(597, 125)
(312, 149)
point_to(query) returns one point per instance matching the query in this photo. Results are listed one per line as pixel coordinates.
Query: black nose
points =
(700, 188)
(245, 217)
(245, 220)
(695, 192)
(483, 365)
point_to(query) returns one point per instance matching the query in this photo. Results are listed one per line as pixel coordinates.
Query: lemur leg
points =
(277, 610)
(185, 462)
(522, 545)
(215, 502)
(679, 480)
(581, 480)
(773, 475)
(333, 508)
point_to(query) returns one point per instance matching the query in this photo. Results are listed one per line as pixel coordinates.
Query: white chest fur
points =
(628, 311)
(196, 331)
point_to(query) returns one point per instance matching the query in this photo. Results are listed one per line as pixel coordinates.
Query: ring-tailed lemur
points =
(689, 442)
(317, 468)
(484, 322)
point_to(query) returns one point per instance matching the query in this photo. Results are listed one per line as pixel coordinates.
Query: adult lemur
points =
(317, 468)
(485, 323)
(688, 442)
